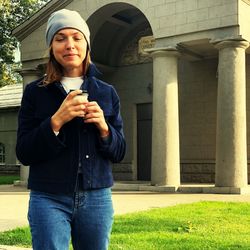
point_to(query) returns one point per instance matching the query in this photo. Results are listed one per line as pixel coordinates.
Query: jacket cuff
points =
(56, 142)
(107, 139)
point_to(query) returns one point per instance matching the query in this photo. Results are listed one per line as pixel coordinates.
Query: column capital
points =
(163, 51)
(231, 43)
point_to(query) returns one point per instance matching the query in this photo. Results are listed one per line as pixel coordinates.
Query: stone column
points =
(231, 137)
(28, 76)
(165, 168)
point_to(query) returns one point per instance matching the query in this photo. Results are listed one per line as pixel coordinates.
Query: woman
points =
(69, 143)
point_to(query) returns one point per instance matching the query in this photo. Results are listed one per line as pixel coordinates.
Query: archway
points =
(115, 32)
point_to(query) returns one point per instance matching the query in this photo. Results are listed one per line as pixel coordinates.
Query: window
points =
(2, 153)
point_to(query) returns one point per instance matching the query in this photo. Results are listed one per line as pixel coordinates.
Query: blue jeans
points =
(85, 217)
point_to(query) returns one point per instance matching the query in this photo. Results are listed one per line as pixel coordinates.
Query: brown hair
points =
(54, 70)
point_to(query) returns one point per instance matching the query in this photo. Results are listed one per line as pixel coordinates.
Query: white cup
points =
(83, 98)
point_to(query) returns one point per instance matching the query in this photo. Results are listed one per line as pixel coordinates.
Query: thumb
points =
(73, 93)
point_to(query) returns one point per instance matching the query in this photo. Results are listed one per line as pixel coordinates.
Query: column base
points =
(20, 183)
(183, 188)
(163, 189)
(226, 190)
(143, 186)
(212, 189)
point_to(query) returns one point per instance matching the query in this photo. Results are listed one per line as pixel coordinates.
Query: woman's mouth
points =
(70, 55)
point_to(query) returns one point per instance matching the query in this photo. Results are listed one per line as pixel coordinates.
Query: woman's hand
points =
(69, 109)
(94, 114)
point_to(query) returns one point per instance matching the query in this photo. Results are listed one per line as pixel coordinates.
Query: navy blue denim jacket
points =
(56, 160)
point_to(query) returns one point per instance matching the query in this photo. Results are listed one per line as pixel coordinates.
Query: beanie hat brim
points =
(63, 19)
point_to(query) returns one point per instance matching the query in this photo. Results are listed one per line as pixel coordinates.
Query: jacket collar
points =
(88, 82)
(93, 71)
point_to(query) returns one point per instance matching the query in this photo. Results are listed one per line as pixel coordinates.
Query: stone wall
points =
(9, 169)
(197, 109)
(186, 16)
(167, 19)
(122, 172)
(198, 172)
(8, 131)
(132, 84)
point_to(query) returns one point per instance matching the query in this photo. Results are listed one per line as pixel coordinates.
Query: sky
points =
(17, 55)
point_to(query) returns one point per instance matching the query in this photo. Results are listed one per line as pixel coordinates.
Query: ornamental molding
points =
(132, 53)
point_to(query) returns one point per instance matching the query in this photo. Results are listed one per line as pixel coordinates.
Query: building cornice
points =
(38, 19)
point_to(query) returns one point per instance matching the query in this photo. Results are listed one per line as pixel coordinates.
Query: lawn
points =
(8, 179)
(197, 226)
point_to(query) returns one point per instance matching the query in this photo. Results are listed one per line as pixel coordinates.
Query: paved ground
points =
(14, 204)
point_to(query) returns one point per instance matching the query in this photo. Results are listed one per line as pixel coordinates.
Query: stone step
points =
(183, 188)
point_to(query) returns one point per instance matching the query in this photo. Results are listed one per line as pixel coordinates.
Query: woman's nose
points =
(70, 44)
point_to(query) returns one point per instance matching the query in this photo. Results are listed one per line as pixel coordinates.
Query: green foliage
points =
(9, 74)
(186, 228)
(12, 14)
(8, 179)
(14, 237)
(197, 226)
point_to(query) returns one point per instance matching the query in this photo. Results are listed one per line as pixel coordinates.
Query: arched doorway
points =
(115, 32)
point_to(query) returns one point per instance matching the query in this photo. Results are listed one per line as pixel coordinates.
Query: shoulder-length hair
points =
(54, 70)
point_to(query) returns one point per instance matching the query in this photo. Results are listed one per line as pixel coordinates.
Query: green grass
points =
(8, 179)
(203, 225)
(197, 226)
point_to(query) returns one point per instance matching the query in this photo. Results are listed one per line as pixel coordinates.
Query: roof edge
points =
(39, 18)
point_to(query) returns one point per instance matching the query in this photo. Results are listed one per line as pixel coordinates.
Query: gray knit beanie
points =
(62, 19)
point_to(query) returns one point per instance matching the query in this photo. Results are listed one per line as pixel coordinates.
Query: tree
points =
(13, 13)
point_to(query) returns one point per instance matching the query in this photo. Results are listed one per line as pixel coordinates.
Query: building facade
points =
(182, 71)
(10, 98)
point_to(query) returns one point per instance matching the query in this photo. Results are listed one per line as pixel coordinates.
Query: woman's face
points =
(69, 48)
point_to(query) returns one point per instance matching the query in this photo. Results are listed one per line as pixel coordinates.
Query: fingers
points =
(93, 111)
(72, 103)
(93, 107)
(94, 114)
(72, 94)
(75, 110)
(71, 107)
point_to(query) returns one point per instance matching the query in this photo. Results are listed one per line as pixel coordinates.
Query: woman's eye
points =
(59, 39)
(78, 38)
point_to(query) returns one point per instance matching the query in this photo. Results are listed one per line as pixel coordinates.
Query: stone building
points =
(181, 69)
(10, 98)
